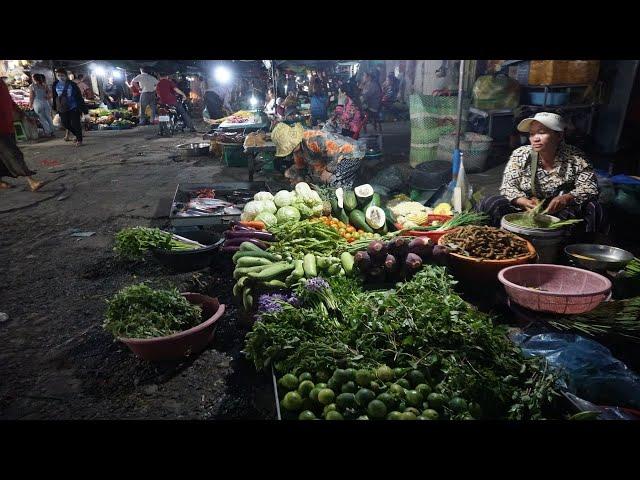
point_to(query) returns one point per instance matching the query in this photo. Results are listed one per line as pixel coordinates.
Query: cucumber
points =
(253, 262)
(350, 200)
(322, 263)
(334, 206)
(275, 284)
(357, 219)
(271, 273)
(237, 289)
(249, 247)
(247, 299)
(343, 217)
(309, 265)
(298, 269)
(261, 254)
(243, 282)
(243, 271)
(347, 262)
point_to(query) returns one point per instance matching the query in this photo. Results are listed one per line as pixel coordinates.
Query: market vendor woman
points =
(563, 178)
(319, 157)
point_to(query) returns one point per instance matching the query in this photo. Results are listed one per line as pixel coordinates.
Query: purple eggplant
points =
(390, 264)
(421, 246)
(226, 249)
(440, 255)
(257, 234)
(413, 263)
(399, 247)
(377, 250)
(236, 242)
(362, 261)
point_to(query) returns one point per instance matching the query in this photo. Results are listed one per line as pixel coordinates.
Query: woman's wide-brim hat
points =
(286, 138)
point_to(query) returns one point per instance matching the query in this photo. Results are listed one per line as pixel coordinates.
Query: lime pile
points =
(381, 394)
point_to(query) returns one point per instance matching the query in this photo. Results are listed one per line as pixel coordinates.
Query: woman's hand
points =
(559, 203)
(527, 203)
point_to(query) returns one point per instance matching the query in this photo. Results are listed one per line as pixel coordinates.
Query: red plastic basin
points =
(181, 344)
(555, 288)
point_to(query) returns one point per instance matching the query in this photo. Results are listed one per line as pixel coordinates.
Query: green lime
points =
(323, 376)
(387, 399)
(333, 415)
(305, 376)
(384, 373)
(364, 378)
(326, 396)
(328, 408)
(340, 376)
(346, 400)
(394, 416)
(376, 409)
(431, 414)
(321, 385)
(475, 410)
(399, 372)
(423, 389)
(413, 410)
(304, 389)
(333, 384)
(289, 382)
(402, 406)
(458, 404)
(350, 374)
(307, 415)
(414, 398)
(408, 416)
(404, 383)
(292, 401)
(397, 390)
(362, 417)
(349, 387)
(313, 394)
(420, 417)
(375, 386)
(364, 396)
(416, 377)
(436, 400)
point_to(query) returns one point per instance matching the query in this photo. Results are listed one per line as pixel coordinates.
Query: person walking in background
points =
(166, 90)
(148, 85)
(389, 92)
(68, 102)
(371, 96)
(319, 102)
(12, 162)
(40, 101)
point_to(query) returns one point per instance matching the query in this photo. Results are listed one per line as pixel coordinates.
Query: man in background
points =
(148, 85)
(167, 90)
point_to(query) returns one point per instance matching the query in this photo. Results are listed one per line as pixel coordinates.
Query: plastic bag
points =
(587, 368)
(496, 91)
(57, 122)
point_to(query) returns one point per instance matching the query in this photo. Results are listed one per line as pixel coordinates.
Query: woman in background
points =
(40, 101)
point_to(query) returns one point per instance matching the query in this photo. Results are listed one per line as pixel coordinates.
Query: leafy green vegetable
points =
(138, 311)
(133, 243)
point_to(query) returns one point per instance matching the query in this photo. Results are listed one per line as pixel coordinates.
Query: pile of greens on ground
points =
(132, 243)
(138, 311)
(422, 324)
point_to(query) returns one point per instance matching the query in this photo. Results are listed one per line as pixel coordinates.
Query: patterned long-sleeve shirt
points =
(571, 168)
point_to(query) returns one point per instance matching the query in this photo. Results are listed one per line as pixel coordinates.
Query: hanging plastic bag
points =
(497, 91)
(57, 122)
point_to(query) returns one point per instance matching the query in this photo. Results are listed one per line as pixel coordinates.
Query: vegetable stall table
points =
(254, 151)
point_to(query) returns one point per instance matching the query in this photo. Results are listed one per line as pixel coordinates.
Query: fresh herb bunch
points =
(423, 323)
(633, 268)
(138, 311)
(133, 243)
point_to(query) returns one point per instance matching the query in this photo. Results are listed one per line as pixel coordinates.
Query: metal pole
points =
(460, 85)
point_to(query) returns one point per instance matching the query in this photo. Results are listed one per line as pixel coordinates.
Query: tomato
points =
(342, 231)
(351, 229)
(350, 240)
(347, 235)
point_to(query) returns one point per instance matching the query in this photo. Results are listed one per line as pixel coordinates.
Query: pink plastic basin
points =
(555, 288)
(181, 344)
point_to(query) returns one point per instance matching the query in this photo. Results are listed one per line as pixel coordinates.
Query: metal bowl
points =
(194, 149)
(598, 257)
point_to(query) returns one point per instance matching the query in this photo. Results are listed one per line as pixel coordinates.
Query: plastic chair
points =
(20, 133)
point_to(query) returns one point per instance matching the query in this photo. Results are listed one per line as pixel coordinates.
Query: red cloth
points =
(165, 92)
(7, 107)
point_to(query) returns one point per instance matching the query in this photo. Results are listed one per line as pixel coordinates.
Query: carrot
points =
(254, 224)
